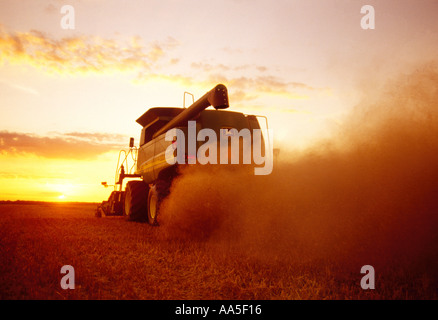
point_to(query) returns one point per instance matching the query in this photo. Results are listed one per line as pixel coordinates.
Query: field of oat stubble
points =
(117, 259)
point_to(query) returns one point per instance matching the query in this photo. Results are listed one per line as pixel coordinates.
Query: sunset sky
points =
(69, 98)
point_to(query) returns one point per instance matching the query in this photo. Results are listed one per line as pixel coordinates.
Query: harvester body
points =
(156, 167)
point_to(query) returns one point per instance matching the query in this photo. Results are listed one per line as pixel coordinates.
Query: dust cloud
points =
(368, 195)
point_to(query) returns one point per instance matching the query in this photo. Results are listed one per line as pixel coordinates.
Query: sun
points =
(61, 190)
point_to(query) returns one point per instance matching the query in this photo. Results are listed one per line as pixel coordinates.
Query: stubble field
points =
(117, 259)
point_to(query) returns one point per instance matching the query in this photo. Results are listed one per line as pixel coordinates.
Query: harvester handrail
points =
(133, 151)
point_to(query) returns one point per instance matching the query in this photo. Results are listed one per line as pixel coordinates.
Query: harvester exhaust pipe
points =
(216, 97)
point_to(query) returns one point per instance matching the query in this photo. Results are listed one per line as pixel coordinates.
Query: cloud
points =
(98, 136)
(20, 175)
(207, 67)
(248, 88)
(251, 87)
(74, 145)
(241, 88)
(175, 78)
(92, 54)
(80, 54)
(264, 83)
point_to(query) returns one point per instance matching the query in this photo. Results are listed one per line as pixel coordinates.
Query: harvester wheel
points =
(153, 205)
(135, 207)
(157, 193)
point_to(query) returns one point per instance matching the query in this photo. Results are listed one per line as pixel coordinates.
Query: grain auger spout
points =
(216, 97)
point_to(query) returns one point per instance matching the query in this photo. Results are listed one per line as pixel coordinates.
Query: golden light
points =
(63, 189)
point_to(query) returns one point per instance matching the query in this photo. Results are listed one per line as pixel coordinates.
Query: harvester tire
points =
(157, 193)
(135, 207)
(154, 202)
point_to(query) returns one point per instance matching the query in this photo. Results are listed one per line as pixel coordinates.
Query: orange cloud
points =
(91, 54)
(262, 84)
(79, 54)
(251, 88)
(73, 145)
(207, 67)
(242, 88)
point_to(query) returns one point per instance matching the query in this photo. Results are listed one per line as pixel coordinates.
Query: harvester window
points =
(150, 131)
(148, 135)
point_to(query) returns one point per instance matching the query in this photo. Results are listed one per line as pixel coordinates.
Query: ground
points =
(117, 259)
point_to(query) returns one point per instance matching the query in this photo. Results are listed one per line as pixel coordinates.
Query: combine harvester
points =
(153, 167)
